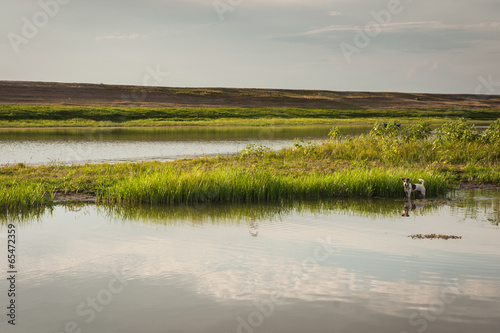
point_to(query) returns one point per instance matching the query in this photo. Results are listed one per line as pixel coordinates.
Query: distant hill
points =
(48, 93)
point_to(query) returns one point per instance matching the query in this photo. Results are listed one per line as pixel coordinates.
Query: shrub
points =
(420, 131)
(390, 130)
(457, 131)
(335, 133)
(253, 149)
(492, 133)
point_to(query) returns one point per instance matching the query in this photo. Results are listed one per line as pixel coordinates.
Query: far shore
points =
(26, 105)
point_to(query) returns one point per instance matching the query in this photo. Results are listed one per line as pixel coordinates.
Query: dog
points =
(417, 188)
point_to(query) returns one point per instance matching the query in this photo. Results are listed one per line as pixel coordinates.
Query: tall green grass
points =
(23, 196)
(237, 185)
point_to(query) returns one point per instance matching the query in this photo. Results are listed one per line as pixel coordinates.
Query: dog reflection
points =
(253, 227)
(416, 207)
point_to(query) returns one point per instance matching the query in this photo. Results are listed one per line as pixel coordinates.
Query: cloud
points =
(407, 37)
(120, 37)
(419, 26)
(334, 13)
(429, 66)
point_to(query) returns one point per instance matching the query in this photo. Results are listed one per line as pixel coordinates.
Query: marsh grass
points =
(24, 196)
(237, 186)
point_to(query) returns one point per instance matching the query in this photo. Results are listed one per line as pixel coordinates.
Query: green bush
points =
(390, 130)
(457, 131)
(492, 133)
(253, 149)
(420, 131)
(335, 133)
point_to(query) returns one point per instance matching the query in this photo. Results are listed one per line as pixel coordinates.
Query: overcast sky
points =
(450, 46)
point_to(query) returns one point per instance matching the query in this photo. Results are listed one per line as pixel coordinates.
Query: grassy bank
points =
(73, 116)
(206, 180)
(365, 166)
(240, 185)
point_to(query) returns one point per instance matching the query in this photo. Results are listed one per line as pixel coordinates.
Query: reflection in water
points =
(476, 204)
(249, 214)
(339, 265)
(24, 216)
(174, 133)
(253, 227)
(416, 207)
(485, 209)
(38, 146)
(479, 204)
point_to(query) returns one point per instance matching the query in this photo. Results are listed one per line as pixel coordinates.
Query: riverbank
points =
(364, 166)
(56, 105)
(30, 116)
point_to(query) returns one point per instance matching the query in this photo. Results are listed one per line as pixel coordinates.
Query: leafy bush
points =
(420, 131)
(335, 133)
(390, 130)
(492, 134)
(457, 131)
(253, 149)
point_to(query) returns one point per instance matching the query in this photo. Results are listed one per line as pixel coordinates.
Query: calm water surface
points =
(69, 146)
(338, 266)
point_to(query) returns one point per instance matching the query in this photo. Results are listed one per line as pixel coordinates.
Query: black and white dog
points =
(409, 187)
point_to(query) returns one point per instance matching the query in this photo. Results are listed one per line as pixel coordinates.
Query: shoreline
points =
(75, 197)
(334, 123)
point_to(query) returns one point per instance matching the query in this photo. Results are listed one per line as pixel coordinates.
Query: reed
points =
(23, 196)
(237, 185)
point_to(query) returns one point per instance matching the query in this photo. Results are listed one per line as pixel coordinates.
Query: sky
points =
(435, 46)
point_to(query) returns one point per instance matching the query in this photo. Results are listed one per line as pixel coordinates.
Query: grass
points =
(24, 195)
(362, 167)
(237, 185)
(12, 116)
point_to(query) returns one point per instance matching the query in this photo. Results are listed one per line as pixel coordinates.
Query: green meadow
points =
(12, 116)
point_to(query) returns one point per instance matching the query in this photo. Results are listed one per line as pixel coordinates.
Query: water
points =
(76, 146)
(337, 266)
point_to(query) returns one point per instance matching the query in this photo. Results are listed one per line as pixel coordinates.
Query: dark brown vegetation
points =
(434, 236)
(78, 94)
